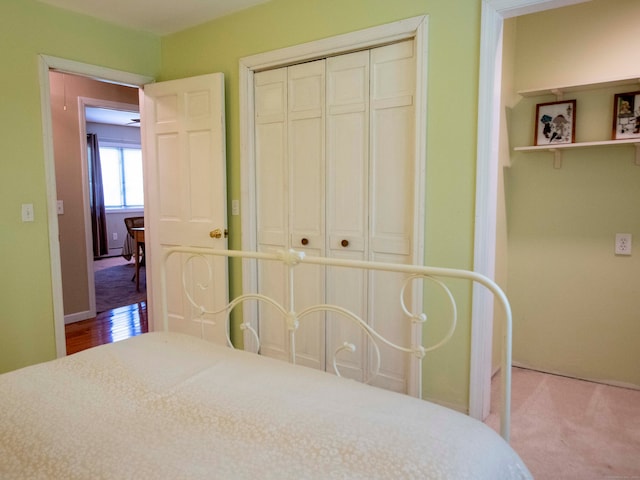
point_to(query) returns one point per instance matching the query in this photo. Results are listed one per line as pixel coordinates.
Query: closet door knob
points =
(304, 241)
(344, 243)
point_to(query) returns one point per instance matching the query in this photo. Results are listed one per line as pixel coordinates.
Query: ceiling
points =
(156, 16)
(112, 117)
(161, 17)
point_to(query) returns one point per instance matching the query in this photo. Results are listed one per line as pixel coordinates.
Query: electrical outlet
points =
(115, 235)
(623, 244)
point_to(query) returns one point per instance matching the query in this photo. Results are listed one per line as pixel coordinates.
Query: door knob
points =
(304, 241)
(217, 233)
(344, 243)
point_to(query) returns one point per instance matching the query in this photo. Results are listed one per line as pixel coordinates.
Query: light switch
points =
(27, 212)
(60, 207)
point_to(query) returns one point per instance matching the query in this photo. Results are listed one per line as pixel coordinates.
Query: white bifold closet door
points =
(334, 174)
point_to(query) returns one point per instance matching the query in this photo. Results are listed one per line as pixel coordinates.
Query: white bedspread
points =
(168, 406)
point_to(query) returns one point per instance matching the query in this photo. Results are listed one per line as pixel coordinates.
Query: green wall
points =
(454, 32)
(26, 325)
(27, 29)
(561, 222)
(576, 304)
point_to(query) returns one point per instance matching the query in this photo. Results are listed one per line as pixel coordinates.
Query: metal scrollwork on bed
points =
(292, 258)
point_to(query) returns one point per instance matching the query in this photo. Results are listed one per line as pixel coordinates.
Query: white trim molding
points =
(485, 216)
(102, 74)
(80, 316)
(515, 8)
(359, 40)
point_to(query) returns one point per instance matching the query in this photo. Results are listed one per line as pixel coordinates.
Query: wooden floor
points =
(107, 327)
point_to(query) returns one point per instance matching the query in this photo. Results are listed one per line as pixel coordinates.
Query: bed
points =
(166, 405)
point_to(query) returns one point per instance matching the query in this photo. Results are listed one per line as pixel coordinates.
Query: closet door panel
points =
(391, 201)
(393, 72)
(347, 182)
(271, 194)
(347, 192)
(345, 287)
(272, 328)
(306, 100)
(271, 157)
(272, 200)
(392, 152)
(387, 318)
(392, 181)
(307, 183)
(306, 117)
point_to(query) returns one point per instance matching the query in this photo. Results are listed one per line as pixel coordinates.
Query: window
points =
(122, 176)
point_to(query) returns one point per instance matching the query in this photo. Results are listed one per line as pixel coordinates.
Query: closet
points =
(335, 167)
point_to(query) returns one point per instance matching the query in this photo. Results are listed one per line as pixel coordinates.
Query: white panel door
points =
(347, 153)
(272, 196)
(289, 143)
(306, 117)
(391, 208)
(185, 165)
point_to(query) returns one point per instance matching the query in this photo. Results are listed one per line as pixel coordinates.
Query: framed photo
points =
(626, 115)
(555, 122)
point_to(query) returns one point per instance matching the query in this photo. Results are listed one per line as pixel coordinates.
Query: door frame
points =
(83, 103)
(412, 28)
(46, 63)
(494, 12)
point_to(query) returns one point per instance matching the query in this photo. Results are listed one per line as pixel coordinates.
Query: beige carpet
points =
(566, 429)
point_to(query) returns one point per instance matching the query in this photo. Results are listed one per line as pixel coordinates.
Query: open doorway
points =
(116, 201)
(98, 178)
(46, 65)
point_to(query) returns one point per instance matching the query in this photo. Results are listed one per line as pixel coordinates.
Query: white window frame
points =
(122, 144)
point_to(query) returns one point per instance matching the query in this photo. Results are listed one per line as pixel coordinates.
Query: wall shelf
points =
(557, 149)
(559, 91)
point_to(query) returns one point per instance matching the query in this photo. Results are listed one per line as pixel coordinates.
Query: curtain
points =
(98, 213)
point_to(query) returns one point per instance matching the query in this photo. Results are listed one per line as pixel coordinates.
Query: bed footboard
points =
(287, 309)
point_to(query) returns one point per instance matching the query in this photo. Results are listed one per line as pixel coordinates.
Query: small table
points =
(138, 237)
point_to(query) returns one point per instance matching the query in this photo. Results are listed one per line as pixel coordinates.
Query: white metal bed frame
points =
(293, 258)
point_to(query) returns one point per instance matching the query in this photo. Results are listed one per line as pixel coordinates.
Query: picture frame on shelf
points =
(555, 122)
(626, 116)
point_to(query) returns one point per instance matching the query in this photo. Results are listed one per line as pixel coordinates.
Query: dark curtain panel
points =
(98, 214)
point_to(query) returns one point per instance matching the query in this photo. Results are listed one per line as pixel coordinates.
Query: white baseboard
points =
(612, 383)
(78, 317)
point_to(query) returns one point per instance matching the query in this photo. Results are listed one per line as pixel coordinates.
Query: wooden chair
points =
(130, 223)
